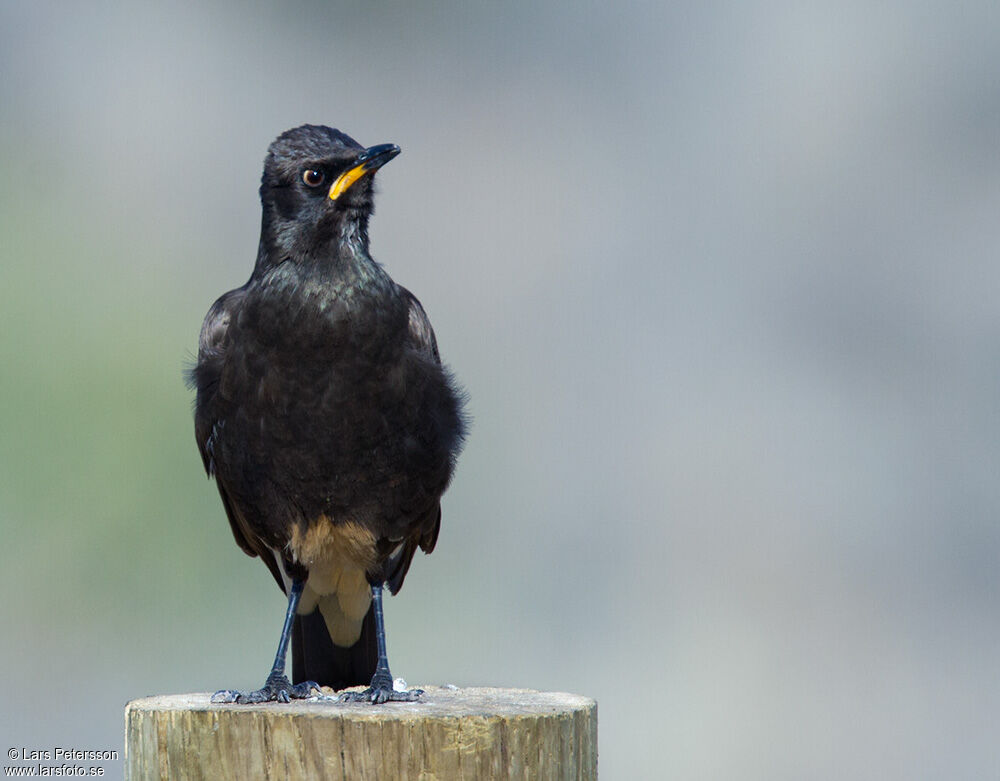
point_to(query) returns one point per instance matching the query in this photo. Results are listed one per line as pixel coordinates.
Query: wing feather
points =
(210, 418)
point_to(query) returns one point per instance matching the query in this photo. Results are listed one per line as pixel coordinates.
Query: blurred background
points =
(720, 278)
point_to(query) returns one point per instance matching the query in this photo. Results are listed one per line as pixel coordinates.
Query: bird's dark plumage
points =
(323, 411)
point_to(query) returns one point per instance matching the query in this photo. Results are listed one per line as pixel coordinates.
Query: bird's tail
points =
(316, 658)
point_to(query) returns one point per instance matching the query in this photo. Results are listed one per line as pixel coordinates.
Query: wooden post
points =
(448, 734)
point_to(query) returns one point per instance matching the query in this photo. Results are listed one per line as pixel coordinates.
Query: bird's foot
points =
(381, 690)
(377, 695)
(277, 688)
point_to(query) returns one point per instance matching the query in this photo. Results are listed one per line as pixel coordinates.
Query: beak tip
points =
(377, 156)
(369, 161)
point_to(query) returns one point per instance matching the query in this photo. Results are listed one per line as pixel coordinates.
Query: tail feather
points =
(316, 658)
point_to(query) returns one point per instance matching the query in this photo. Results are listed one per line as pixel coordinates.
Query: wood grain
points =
(449, 734)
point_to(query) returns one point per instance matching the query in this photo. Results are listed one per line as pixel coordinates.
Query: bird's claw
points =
(277, 688)
(382, 690)
(377, 695)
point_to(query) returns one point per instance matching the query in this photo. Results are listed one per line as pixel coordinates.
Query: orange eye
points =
(312, 177)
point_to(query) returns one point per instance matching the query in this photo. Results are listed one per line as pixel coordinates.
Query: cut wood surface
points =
(448, 734)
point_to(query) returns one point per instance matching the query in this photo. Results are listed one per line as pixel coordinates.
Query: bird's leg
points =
(380, 690)
(277, 687)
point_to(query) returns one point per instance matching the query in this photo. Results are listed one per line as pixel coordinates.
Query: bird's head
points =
(316, 191)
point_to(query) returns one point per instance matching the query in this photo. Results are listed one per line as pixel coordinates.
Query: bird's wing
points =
(210, 418)
(205, 376)
(422, 337)
(420, 332)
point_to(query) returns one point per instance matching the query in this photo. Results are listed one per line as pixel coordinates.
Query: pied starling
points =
(326, 417)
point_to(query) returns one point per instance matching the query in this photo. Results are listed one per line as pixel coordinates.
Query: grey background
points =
(720, 279)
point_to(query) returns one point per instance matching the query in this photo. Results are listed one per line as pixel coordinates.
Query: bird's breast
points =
(323, 368)
(311, 325)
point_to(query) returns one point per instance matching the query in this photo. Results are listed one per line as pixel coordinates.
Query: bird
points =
(326, 417)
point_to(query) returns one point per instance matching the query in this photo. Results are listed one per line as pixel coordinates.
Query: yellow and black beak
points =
(373, 158)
